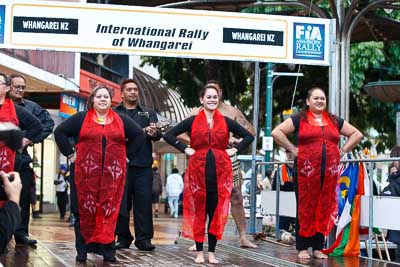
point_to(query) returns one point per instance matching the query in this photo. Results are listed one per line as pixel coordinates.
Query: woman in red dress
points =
(208, 178)
(98, 174)
(316, 168)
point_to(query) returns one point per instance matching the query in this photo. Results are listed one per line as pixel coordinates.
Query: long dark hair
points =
(303, 111)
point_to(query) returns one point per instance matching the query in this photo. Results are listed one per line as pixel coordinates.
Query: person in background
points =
(139, 174)
(156, 190)
(10, 216)
(23, 159)
(393, 190)
(31, 127)
(208, 178)
(174, 188)
(317, 168)
(284, 176)
(98, 172)
(61, 183)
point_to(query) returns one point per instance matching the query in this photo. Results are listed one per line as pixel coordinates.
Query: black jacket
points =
(47, 122)
(393, 189)
(42, 114)
(142, 116)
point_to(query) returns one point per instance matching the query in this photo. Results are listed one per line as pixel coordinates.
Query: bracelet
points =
(71, 155)
(341, 152)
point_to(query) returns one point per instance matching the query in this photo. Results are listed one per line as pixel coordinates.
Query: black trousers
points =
(211, 200)
(26, 174)
(138, 196)
(62, 198)
(107, 250)
(211, 204)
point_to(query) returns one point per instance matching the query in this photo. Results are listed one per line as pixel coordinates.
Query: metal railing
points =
(370, 197)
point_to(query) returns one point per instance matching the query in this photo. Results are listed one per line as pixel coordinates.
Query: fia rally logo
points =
(309, 41)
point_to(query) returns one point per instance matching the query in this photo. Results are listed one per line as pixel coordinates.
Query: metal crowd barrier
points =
(369, 204)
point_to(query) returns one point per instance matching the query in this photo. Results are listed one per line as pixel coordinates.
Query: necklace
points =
(318, 119)
(101, 118)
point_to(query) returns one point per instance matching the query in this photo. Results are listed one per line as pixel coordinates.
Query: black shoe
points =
(145, 245)
(36, 215)
(120, 244)
(81, 257)
(109, 258)
(25, 240)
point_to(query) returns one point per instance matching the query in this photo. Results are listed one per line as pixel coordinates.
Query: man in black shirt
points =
(10, 216)
(22, 161)
(139, 174)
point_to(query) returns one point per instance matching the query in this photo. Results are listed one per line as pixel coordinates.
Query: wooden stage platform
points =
(56, 248)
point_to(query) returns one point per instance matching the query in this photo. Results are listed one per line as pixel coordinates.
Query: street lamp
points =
(271, 78)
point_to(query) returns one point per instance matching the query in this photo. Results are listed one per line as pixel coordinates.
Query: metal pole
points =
(268, 105)
(397, 108)
(334, 73)
(253, 197)
(346, 78)
(41, 176)
(277, 220)
(371, 208)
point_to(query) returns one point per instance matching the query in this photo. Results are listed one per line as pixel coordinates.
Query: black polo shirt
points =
(142, 116)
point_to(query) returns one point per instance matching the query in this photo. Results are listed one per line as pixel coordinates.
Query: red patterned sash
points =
(99, 178)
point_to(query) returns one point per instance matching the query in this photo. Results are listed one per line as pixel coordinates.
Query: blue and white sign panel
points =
(95, 28)
(2, 19)
(309, 41)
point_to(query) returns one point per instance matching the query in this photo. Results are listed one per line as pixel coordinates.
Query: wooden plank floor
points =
(56, 248)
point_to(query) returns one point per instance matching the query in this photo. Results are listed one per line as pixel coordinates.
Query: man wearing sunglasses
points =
(23, 159)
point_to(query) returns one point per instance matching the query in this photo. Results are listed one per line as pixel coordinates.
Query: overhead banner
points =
(97, 28)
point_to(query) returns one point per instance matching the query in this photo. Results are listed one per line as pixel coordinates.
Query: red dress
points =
(194, 202)
(317, 174)
(100, 178)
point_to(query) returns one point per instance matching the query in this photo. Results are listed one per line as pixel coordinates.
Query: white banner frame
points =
(96, 28)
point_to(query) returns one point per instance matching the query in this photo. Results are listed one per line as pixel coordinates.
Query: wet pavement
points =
(56, 248)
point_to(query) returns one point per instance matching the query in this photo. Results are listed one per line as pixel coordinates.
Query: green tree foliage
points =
(189, 75)
(368, 64)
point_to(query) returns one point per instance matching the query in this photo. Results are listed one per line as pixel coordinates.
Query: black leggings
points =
(211, 199)
(211, 204)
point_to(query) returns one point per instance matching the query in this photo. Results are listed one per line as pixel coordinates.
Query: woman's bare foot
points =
(303, 255)
(200, 257)
(192, 248)
(319, 255)
(211, 258)
(245, 243)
